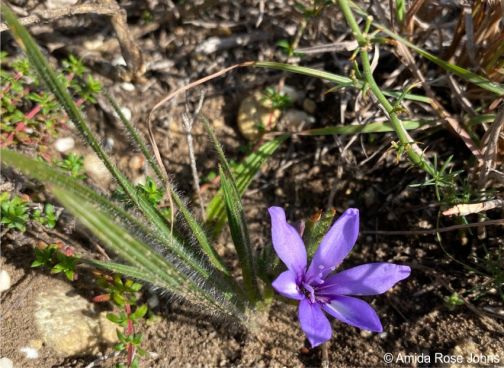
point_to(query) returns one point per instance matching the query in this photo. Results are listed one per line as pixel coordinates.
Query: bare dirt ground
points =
(307, 173)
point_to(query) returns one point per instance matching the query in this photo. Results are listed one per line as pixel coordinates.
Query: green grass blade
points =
(465, 74)
(340, 80)
(243, 174)
(455, 69)
(143, 258)
(240, 235)
(377, 127)
(236, 219)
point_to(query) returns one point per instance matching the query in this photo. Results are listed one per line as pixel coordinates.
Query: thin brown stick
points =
(194, 84)
(53, 14)
(129, 49)
(434, 231)
(467, 209)
(187, 122)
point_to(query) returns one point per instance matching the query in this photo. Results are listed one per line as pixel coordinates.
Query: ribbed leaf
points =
(55, 177)
(143, 258)
(240, 235)
(315, 229)
(243, 174)
(236, 219)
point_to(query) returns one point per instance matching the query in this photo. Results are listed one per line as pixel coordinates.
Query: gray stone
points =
(69, 324)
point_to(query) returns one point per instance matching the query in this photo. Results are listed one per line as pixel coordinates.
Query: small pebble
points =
(153, 301)
(126, 112)
(56, 4)
(128, 86)
(5, 281)
(6, 363)
(94, 44)
(309, 106)
(382, 335)
(30, 353)
(64, 144)
(118, 61)
(365, 333)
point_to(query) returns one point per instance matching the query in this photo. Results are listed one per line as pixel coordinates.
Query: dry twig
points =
(467, 209)
(187, 122)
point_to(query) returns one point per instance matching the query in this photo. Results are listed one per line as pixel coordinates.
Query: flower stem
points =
(414, 153)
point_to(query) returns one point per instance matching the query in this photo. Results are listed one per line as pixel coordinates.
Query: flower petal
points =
(354, 312)
(314, 323)
(366, 279)
(335, 245)
(287, 285)
(287, 242)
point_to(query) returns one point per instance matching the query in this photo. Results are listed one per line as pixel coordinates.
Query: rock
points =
(5, 281)
(6, 363)
(29, 352)
(309, 106)
(69, 324)
(94, 44)
(64, 144)
(126, 113)
(136, 163)
(254, 117)
(96, 170)
(119, 61)
(129, 87)
(296, 120)
(55, 4)
(294, 94)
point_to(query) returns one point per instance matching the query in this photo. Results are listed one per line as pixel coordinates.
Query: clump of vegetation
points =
(30, 115)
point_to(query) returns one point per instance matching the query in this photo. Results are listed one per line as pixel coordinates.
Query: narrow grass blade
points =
(340, 80)
(143, 258)
(377, 127)
(236, 219)
(465, 74)
(243, 174)
(240, 235)
(455, 69)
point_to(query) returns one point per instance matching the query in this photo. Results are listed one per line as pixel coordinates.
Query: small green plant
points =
(123, 293)
(52, 258)
(47, 217)
(30, 115)
(453, 301)
(278, 100)
(73, 164)
(151, 191)
(14, 212)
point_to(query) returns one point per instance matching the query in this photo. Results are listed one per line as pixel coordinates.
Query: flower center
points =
(310, 292)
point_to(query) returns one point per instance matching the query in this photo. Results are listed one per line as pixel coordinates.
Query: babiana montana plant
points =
(173, 252)
(169, 251)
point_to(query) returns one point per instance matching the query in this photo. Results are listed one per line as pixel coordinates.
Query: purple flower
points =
(319, 289)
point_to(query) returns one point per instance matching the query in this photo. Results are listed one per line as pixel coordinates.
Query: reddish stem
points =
(130, 330)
